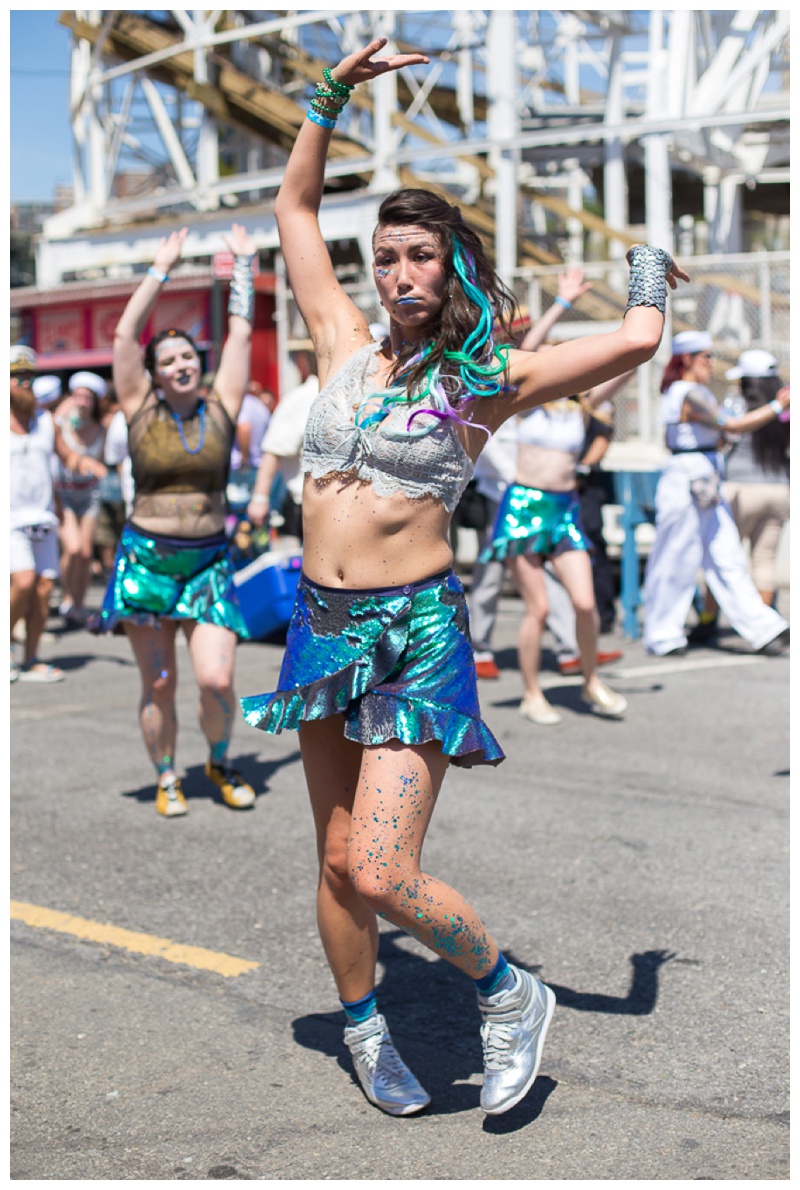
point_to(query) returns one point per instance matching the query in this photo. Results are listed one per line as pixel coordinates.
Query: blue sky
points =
(39, 133)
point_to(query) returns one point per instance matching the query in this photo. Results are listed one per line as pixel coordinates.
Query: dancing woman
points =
(378, 675)
(172, 565)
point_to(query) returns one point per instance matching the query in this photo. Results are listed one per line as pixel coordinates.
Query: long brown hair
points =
(771, 442)
(459, 317)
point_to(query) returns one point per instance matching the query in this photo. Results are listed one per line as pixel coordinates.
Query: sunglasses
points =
(23, 378)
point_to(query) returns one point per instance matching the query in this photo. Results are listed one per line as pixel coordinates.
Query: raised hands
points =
(168, 252)
(357, 68)
(239, 242)
(571, 284)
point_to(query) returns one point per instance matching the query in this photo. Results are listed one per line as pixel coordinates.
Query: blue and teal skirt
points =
(396, 663)
(530, 521)
(171, 578)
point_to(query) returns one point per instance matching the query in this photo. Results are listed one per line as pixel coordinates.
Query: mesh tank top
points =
(427, 460)
(159, 460)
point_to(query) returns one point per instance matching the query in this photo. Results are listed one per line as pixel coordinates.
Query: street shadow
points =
(433, 1017)
(641, 997)
(197, 787)
(72, 662)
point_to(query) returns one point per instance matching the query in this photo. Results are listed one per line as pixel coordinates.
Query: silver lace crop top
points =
(427, 459)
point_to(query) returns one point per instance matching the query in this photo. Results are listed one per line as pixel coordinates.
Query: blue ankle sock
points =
(500, 977)
(357, 1011)
(218, 753)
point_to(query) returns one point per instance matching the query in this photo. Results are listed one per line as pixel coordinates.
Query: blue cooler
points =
(266, 590)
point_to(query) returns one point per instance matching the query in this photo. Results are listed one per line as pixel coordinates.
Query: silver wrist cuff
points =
(242, 298)
(648, 284)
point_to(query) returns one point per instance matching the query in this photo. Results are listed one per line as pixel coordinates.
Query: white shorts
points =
(35, 548)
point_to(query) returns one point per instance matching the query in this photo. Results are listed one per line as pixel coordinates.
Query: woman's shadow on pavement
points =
(434, 1021)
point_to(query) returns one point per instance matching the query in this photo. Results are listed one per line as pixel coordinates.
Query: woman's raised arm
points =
(327, 311)
(131, 381)
(585, 363)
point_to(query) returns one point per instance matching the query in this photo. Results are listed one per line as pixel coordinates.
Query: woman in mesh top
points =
(172, 565)
(378, 675)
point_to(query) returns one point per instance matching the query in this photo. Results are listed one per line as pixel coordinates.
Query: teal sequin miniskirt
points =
(173, 578)
(396, 663)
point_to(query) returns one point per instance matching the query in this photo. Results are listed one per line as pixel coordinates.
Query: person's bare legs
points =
(154, 650)
(212, 649)
(574, 568)
(23, 586)
(529, 578)
(36, 618)
(348, 928)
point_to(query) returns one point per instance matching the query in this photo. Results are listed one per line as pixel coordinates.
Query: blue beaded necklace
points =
(201, 409)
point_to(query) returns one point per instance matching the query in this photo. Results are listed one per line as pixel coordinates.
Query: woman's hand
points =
(571, 285)
(357, 68)
(676, 274)
(240, 242)
(783, 397)
(257, 511)
(168, 252)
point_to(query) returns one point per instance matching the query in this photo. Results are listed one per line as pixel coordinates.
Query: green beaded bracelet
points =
(342, 88)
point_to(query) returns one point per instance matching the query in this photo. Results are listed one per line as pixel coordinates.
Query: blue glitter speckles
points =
(531, 521)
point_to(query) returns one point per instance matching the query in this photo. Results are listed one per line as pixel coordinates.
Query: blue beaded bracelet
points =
(323, 121)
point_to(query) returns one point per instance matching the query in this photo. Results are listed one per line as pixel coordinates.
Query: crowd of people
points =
(372, 456)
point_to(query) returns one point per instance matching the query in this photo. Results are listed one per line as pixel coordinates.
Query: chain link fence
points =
(742, 301)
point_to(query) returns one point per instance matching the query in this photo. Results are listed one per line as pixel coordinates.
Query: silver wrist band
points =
(242, 298)
(648, 284)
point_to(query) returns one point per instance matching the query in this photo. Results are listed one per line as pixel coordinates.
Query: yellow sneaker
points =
(235, 791)
(169, 798)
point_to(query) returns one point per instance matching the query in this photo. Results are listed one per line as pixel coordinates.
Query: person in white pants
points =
(694, 527)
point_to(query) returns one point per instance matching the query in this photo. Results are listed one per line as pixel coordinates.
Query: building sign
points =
(104, 319)
(187, 311)
(60, 330)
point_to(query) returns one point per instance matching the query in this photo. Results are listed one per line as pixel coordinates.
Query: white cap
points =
(23, 359)
(378, 331)
(690, 342)
(754, 363)
(46, 389)
(90, 380)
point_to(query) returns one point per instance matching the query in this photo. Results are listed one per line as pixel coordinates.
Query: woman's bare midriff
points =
(354, 539)
(544, 468)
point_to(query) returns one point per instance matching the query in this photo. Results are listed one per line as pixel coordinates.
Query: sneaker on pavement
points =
(486, 666)
(539, 710)
(515, 1023)
(386, 1080)
(779, 644)
(169, 798)
(605, 701)
(235, 791)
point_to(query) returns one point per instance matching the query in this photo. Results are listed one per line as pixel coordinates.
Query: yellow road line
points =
(147, 944)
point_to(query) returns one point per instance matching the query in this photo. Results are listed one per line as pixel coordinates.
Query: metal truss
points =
(521, 114)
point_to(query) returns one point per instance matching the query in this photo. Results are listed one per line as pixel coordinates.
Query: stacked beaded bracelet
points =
(329, 101)
(648, 283)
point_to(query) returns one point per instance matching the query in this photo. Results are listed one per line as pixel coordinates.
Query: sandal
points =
(40, 671)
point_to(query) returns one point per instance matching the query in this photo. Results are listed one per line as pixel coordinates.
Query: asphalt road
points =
(640, 867)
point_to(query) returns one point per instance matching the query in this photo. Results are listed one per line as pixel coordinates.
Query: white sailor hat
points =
(90, 380)
(23, 358)
(754, 363)
(690, 342)
(46, 389)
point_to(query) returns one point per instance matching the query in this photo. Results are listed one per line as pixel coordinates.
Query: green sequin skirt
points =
(396, 663)
(157, 577)
(531, 521)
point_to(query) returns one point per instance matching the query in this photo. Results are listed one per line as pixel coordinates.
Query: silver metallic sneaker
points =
(515, 1023)
(387, 1081)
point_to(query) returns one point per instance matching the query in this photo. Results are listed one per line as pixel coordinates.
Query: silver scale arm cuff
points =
(242, 298)
(648, 284)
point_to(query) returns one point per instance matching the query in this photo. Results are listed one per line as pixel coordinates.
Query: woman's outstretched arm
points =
(328, 312)
(584, 363)
(131, 381)
(233, 372)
